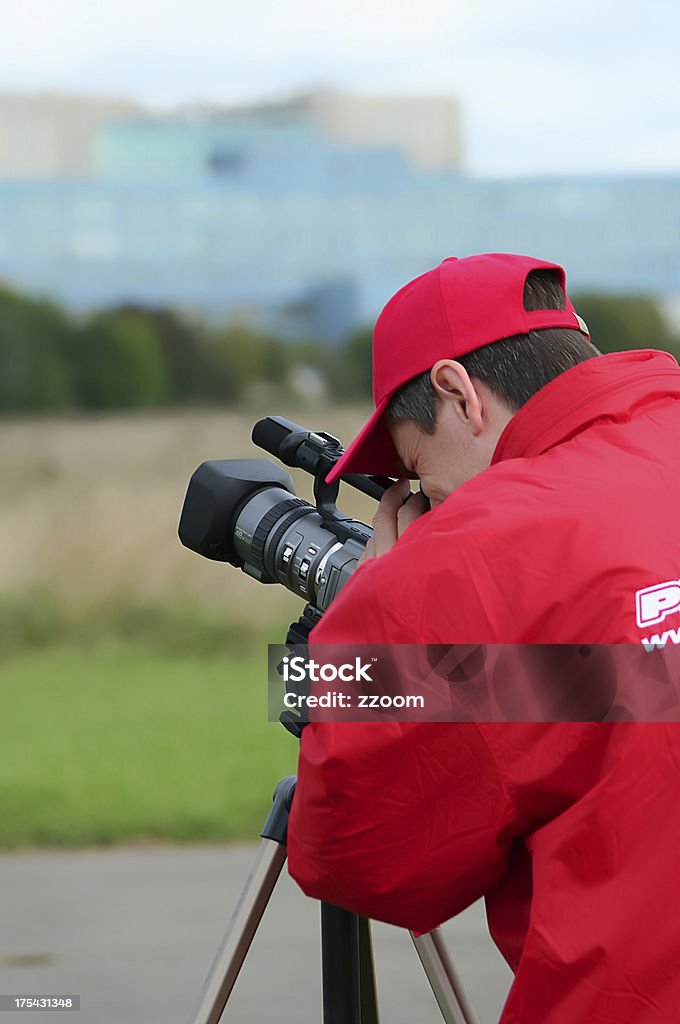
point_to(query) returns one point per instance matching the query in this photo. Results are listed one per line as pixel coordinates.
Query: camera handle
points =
(348, 977)
(296, 642)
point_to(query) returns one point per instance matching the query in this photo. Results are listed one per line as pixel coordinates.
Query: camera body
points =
(245, 512)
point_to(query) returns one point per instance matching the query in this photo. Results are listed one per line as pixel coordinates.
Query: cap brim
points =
(371, 451)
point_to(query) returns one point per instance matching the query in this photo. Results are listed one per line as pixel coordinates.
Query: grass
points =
(126, 744)
(41, 619)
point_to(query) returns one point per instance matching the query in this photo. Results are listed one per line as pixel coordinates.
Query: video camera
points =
(245, 512)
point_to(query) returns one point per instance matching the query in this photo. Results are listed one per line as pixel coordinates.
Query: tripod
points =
(348, 979)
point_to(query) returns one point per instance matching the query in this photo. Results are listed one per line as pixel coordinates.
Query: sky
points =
(587, 86)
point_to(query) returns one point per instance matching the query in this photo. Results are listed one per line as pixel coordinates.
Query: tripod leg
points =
(443, 978)
(340, 966)
(369, 997)
(271, 857)
(349, 995)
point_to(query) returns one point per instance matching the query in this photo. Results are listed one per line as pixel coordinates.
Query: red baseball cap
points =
(445, 313)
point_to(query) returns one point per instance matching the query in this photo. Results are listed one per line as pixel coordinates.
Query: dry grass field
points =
(89, 508)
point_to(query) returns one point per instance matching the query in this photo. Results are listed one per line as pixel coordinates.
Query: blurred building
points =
(306, 215)
(426, 128)
(47, 135)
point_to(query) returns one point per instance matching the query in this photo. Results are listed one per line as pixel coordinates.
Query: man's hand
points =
(398, 508)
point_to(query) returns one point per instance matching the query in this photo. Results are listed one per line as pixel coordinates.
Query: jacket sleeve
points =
(402, 822)
(407, 823)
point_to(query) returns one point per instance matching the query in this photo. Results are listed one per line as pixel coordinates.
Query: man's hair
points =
(513, 368)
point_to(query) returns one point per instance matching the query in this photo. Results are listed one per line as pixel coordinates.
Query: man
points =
(552, 475)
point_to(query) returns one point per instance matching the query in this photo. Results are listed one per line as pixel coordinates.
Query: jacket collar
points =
(605, 386)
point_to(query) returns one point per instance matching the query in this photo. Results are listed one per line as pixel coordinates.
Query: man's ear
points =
(453, 386)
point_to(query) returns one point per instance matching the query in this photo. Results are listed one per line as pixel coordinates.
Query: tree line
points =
(131, 357)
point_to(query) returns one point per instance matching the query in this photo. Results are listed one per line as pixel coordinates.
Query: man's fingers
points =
(398, 508)
(393, 498)
(411, 510)
(368, 552)
(384, 524)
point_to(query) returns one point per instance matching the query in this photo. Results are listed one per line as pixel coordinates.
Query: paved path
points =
(134, 930)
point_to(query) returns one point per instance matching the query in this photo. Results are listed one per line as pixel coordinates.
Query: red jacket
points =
(571, 831)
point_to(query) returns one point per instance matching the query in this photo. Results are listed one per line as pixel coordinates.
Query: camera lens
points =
(244, 511)
(281, 539)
